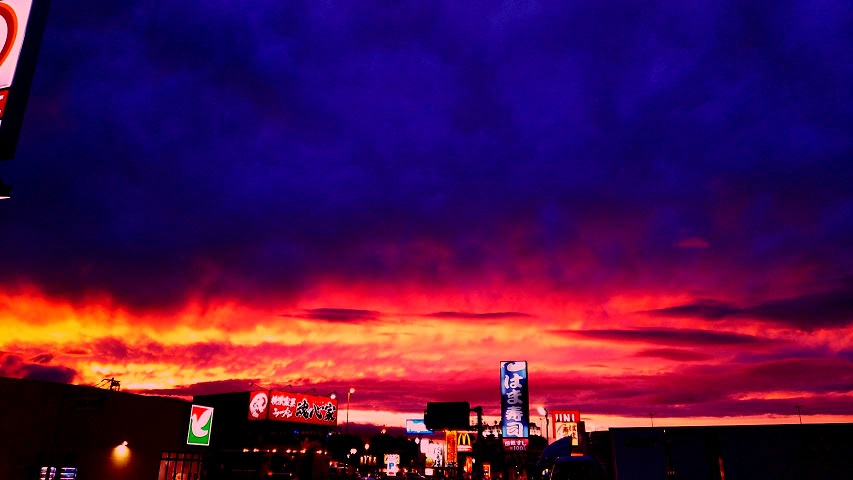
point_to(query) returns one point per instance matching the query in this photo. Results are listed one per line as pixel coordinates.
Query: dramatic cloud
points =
(478, 316)
(340, 315)
(675, 354)
(686, 337)
(649, 202)
(16, 367)
(832, 309)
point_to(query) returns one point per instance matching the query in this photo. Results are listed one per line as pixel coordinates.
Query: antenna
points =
(110, 383)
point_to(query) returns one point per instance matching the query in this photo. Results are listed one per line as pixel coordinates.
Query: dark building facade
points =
(778, 452)
(94, 433)
(280, 442)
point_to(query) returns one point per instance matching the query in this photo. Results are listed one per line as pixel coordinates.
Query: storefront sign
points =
(201, 422)
(463, 442)
(293, 407)
(515, 444)
(259, 403)
(566, 424)
(450, 447)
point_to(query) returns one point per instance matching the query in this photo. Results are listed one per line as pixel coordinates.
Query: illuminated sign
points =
(566, 424)
(259, 405)
(293, 407)
(392, 464)
(515, 444)
(417, 426)
(21, 26)
(434, 453)
(201, 421)
(463, 442)
(450, 448)
(515, 408)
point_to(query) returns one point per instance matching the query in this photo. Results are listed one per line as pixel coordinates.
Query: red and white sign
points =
(259, 403)
(13, 23)
(293, 407)
(515, 444)
(566, 424)
(4, 94)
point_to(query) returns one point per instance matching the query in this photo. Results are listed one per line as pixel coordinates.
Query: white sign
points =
(392, 464)
(13, 23)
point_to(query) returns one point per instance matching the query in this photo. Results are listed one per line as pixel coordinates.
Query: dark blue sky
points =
(694, 157)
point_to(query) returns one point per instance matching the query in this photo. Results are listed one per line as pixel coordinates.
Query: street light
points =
(5, 191)
(544, 412)
(349, 393)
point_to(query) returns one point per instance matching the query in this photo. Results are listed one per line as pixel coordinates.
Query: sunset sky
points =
(649, 202)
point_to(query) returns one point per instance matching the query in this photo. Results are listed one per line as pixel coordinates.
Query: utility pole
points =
(479, 444)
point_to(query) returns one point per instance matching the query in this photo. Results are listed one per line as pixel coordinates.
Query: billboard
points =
(22, 24)
(201, 422)
(515, 408)
(292, 407)
(566, 424)
(447, 415)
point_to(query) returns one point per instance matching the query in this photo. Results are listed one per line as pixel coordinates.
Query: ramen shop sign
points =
(292, 407)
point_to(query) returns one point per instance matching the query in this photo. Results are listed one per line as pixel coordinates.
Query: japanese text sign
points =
(515, 408)
(293, 407)
(566, 424)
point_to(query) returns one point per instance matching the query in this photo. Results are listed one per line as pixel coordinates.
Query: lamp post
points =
(5, 190)
(349, 394)
(544, 412)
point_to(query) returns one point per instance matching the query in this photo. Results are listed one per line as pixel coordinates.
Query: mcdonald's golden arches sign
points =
(463, 442)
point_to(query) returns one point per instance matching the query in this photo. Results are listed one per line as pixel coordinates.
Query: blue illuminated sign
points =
(417, 426)
(515, 408)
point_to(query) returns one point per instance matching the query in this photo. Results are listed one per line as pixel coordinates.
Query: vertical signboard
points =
(22, 23)
(566, 424)
(515, 408)
(201, 421)
(450, 448)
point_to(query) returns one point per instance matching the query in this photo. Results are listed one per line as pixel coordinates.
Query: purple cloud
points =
(833, 309)
(342, 315)
(669, 336)
(478, 316)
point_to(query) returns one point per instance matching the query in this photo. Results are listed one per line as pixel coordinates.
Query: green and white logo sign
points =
(201, 419)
